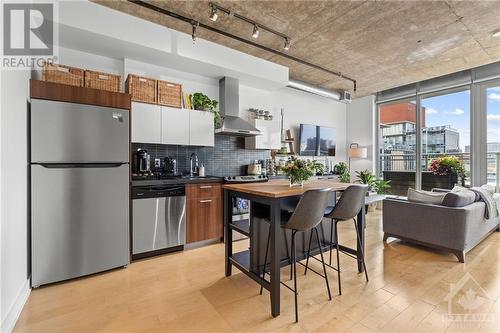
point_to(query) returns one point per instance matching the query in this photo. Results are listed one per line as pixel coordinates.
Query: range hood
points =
(229, 98)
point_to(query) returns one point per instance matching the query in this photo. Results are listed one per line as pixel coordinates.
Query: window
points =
(493, 134)
(445, 132)
(397, 155)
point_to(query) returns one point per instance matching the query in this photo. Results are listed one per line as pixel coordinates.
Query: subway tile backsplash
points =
(227, 157)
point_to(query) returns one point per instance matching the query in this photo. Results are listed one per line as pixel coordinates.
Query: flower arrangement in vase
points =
(299, 171)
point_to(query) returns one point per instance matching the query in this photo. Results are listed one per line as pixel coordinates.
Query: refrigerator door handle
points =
(80, 165)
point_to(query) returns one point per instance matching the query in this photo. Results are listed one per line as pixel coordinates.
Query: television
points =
(308, 140)
(317, 140)
(327, 141)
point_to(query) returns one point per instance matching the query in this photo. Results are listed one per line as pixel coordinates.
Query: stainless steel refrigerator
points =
(79, 163)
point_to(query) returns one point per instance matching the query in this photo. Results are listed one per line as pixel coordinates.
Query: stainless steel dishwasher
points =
(158, 219)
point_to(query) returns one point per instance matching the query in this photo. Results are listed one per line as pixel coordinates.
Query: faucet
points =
(193, 169)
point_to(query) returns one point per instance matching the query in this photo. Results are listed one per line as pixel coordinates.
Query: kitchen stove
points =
(246, 179)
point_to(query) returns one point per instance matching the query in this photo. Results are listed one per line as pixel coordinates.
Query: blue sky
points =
(454, 110)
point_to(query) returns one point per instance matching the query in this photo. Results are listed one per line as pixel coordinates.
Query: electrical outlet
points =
(157, 162)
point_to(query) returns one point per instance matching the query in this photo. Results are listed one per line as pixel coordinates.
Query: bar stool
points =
(347, 208)
(306, 216)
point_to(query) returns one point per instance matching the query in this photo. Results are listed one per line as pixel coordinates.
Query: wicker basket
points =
(63, 74)
(169, 94)
(142, 89)
(103, 81)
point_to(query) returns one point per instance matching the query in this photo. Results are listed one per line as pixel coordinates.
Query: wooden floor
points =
(187, 292)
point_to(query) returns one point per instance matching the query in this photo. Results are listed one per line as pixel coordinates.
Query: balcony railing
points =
(404, 161)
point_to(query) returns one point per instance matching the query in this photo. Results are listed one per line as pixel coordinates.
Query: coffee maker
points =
(141, 164)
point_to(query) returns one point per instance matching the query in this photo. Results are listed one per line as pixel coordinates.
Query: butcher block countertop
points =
(279, 188)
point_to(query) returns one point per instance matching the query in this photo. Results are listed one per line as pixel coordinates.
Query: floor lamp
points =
(355, 151)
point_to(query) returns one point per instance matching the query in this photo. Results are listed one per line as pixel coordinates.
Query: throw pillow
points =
(459, 199)
(457, 188)
(434, 198)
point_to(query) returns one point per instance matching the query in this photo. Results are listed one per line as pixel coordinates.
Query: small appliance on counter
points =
(255, 168)
(141, 162)
(170, 167)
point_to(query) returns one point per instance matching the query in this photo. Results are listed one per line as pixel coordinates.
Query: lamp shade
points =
(358, 152)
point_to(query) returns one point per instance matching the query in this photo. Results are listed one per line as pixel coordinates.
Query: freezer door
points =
(79, 221)
(77, 133)
(158, 223)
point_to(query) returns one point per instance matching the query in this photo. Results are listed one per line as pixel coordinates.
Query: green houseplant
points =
(382, 186)
(299, 170)
(203, 103)
(345, 177)
(340, 168)
(365, 177)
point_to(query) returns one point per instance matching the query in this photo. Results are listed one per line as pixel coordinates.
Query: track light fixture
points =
(193, 33)
(287, 44)
(255, 33)
(213, 13)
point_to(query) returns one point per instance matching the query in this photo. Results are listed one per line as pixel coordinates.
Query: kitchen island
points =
(271, 203)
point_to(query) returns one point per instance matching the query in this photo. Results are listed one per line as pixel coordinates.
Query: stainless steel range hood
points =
(229, 98)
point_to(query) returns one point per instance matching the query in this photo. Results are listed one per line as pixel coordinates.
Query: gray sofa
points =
(454, 229)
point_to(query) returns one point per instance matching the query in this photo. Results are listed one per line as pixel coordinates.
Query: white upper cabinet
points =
(201, 128)
(161, 124)
(270, 137)
(174, 126)
(145, 123)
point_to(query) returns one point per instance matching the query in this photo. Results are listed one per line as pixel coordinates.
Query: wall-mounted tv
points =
(308, 140)
(317, 140)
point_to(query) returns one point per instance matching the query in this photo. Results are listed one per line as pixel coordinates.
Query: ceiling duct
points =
(309, 88)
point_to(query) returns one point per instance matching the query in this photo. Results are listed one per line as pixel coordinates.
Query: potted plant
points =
(446, 170)
(365, 177)
(381, 186)
(345, 177)
(340, 168)
(299, 170)
(203, 103)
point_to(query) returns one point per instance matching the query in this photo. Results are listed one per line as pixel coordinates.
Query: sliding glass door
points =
(445, 138)
(397, 144)
(492, 95)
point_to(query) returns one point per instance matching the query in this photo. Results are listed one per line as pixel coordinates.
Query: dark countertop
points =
(177, 181)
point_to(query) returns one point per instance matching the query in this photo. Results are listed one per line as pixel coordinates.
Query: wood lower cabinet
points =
(204, 212)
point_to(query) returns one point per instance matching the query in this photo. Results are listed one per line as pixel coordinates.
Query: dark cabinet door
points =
(204, 218)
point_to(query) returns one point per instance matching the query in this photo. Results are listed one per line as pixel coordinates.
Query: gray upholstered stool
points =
(306, 216)
(347, 208)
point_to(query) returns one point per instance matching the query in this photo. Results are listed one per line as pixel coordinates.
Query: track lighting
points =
(256, 31)
(287, 44)
(213, 13)
(193, 34)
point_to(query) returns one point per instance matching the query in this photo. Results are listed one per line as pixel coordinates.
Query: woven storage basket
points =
(142, 89)
(169, 94)
(103, 81)
(63, 74)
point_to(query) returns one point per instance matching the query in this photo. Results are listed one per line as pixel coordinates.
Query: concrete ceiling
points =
(381, 44)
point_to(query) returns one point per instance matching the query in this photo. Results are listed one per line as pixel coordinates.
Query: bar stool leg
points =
(331, 242)
(265, 259)
(338, 257)
(323, 262)
(294, 260)
(360, 249)
(308, 252)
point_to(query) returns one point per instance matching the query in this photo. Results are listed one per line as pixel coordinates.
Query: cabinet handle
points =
(206, 186)
(204, 201)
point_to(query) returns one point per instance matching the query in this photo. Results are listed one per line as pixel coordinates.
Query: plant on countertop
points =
(382, 186)
(447, 165)
(299, 170)
(340, 168)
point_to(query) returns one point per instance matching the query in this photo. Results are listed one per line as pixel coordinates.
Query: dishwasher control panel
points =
(145, 192)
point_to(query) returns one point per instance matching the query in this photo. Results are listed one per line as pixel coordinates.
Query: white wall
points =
(300, 108)
(360, 129)
(14, 285)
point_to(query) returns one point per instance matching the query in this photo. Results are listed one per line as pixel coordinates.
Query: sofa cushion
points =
(460, 188)
(459, 199)
(434, 198)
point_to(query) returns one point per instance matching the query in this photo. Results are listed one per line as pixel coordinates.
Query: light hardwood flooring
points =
(187, 292)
